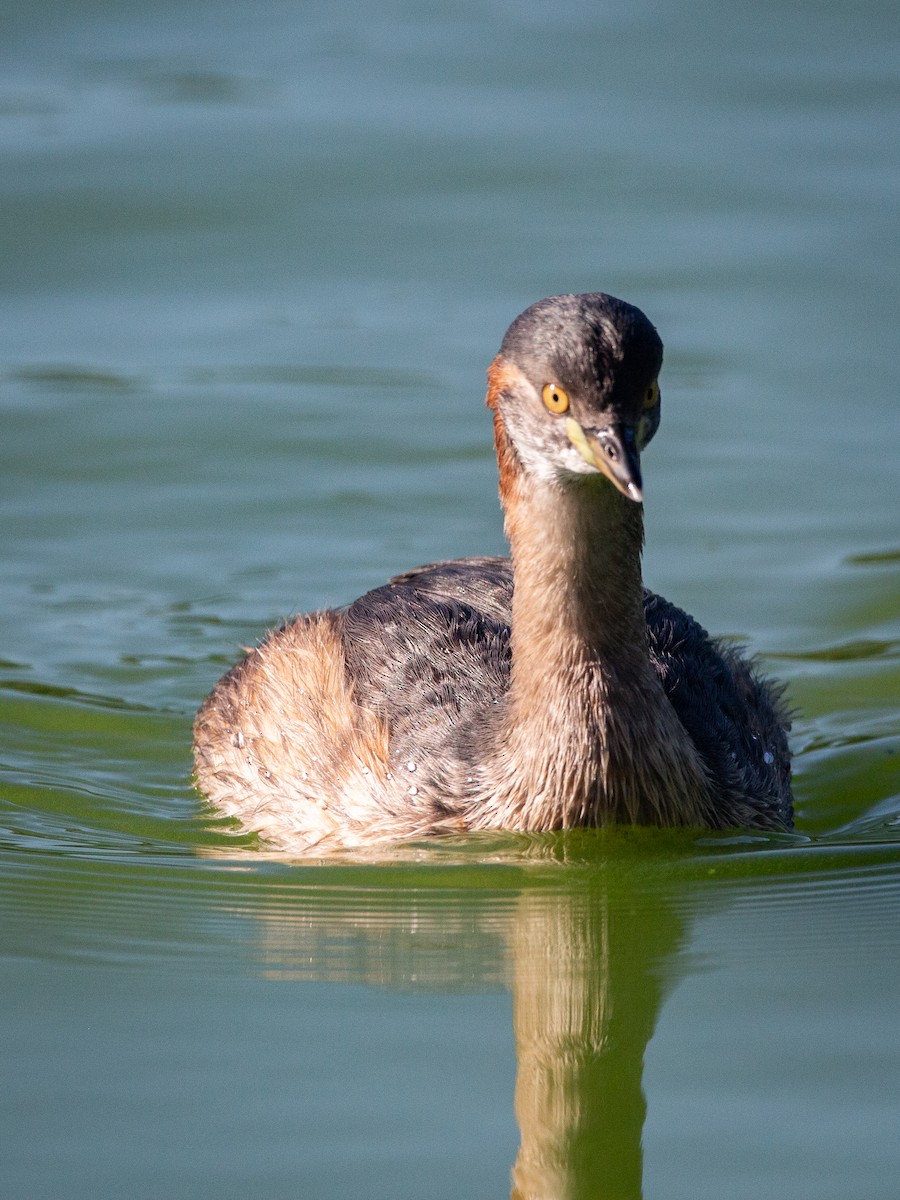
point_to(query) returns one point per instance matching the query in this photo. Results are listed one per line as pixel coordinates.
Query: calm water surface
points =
(254, 261)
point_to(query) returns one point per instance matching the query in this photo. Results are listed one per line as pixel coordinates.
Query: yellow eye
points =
(651, 396)
(555, 398)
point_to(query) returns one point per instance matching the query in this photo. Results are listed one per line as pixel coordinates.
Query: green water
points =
(254, 259)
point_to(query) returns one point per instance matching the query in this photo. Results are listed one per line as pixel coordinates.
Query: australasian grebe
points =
(541, 693)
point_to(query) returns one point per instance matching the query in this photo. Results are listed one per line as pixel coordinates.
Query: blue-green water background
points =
(254, 259)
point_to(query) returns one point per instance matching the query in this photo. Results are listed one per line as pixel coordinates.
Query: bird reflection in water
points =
(588, 961)
(587, 988)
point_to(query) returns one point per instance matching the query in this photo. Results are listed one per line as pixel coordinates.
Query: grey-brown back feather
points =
(430, 652)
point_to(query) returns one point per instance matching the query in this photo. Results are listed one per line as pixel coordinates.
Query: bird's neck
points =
(577, 598)
(589, 734)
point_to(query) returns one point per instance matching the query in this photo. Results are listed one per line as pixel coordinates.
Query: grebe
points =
(541, 692)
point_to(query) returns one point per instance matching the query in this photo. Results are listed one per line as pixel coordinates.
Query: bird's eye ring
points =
(651, 396)
(555, 399)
